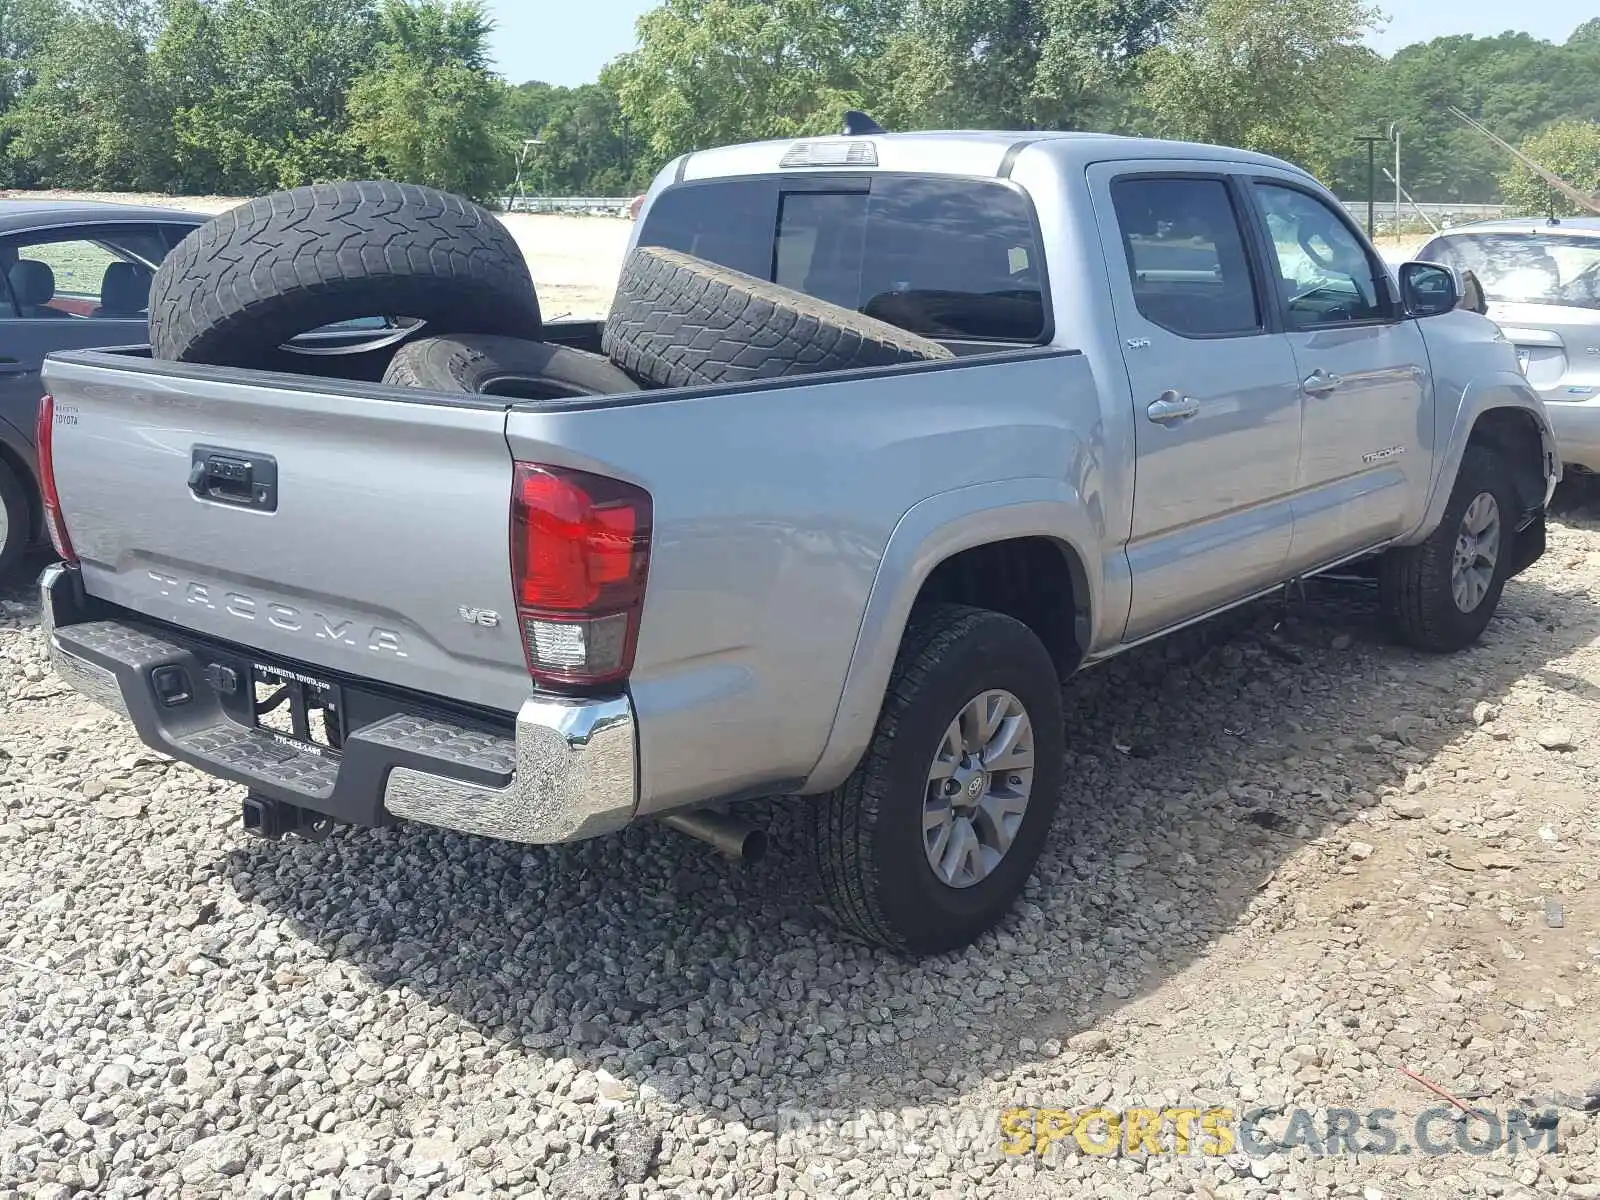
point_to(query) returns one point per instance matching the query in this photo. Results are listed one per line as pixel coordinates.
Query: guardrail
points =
(611, 206)
(1443, 215)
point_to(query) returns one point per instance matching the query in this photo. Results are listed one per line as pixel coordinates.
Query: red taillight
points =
(580, 549)
(45, 447)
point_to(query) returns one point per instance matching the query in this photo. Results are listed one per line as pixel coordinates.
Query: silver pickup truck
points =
(1181, 378)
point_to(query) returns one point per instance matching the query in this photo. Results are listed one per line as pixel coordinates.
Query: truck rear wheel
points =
(256, 276)
(503, 366)
(1440, 594)
(679, 321)
(931, 839)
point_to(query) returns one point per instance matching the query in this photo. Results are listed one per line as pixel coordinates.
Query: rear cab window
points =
(947, 258)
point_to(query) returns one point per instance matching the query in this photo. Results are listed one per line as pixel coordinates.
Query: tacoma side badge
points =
(485, 617)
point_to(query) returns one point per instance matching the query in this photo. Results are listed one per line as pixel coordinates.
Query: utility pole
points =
(1372, 181)
(1394, 136)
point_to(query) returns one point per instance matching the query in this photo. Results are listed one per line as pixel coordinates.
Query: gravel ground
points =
(1293, 860)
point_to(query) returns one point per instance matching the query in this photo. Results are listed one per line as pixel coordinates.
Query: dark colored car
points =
(75, 276)
(72, 276)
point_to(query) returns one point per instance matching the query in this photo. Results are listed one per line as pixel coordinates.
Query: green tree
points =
(1028, 64)
(1567, 149)
(709, 72)
(588, 144)
(1266, 75)
(91, 118)
(26, 27)
(258, 88)
(429, 111)
(1514, 84)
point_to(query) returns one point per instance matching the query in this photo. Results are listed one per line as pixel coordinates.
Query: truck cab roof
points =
(952, 152)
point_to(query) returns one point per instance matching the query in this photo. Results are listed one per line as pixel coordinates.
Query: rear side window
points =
(944, 258)
(86, 271)
(1186, 257)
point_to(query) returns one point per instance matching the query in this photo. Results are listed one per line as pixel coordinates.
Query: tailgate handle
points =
(234, 477)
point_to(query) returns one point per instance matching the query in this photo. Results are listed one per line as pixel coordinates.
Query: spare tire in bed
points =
(503, 366)
(679, 321)
(252, 278)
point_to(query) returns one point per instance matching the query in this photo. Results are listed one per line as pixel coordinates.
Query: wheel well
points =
(30, 489)
(1513, 434)
(1037, 580)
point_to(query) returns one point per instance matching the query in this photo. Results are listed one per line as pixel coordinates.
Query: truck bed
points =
(387, 542)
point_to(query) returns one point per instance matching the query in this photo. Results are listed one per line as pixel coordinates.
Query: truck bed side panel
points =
(773, 508)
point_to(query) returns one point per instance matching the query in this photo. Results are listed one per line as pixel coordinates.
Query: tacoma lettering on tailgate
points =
(280, 615)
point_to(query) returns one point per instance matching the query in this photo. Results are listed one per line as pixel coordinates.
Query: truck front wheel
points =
(1440, 594)
(931, 839)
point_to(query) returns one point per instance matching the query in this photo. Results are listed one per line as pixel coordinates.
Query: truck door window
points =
(1185, 252)
(1324, 272)
(945, 258)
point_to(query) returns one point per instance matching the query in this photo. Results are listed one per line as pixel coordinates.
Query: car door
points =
(1366, 448)
(55, 297)
(1216, 399)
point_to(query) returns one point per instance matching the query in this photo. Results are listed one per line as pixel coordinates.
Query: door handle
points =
(1321, 383)
(1173, 406)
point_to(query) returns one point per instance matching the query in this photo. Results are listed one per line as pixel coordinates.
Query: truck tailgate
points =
(366, 536)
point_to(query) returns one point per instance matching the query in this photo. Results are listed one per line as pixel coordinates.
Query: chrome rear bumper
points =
(563, 770)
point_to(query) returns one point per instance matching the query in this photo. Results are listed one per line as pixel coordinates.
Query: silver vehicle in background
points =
(1542, 281)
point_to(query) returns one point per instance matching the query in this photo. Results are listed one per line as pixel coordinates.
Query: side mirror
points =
(1429, 289)
(1473, 297)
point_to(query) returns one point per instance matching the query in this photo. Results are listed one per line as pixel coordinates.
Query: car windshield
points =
(1536, 267)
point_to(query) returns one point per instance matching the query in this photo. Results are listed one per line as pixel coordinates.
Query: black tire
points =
(251, 279)
(16, 520)
(1415, 582)
(871, 867)
(505, 367)
(678, 321)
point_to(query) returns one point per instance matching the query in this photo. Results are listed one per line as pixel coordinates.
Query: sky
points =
(568, 42)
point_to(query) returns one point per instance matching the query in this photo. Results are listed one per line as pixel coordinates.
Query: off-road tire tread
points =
(843, 820)
(1415, 601)
(457, 364)
(255, 276)
(679, 321)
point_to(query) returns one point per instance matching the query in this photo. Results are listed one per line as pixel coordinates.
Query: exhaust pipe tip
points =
(735, 839)
(755, 846)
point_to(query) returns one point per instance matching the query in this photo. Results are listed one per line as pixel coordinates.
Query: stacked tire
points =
(244, 289)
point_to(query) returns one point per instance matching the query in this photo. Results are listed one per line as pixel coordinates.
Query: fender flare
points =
(1483, 395)
(930, 532)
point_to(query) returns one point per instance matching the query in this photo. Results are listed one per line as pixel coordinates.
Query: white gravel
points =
(1291, 863)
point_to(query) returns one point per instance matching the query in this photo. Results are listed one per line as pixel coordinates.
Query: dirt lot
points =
(1291, 863)
(574, 260)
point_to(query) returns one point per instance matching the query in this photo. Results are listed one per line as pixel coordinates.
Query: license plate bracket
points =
(298, 710)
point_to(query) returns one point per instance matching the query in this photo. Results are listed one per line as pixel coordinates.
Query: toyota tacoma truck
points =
(1174, 378)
